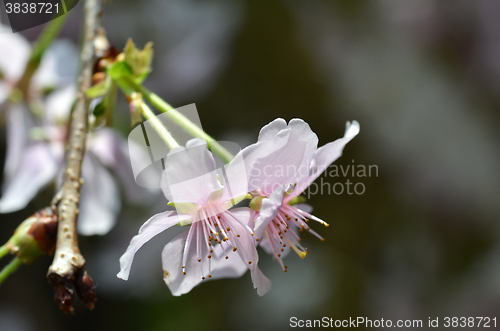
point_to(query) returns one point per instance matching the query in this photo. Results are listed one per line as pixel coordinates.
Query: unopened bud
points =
(135, 106)
(34, 236)
(85, 289)
(64, 295)
(98, 77)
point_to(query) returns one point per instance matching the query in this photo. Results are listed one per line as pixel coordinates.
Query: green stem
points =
(158, 126)
(3, 251)
(50, 32)
(180, 119)
(10, 268)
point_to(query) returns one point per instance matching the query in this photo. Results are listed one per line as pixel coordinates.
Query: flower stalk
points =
(3, 251)
(10, 268)
(179, 119)
(159, 127)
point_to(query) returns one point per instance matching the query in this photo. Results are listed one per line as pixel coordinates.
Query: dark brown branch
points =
(67, 270)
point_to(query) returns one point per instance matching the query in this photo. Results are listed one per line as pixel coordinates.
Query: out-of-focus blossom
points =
(191, 183)
(280, 217)
(35, 143)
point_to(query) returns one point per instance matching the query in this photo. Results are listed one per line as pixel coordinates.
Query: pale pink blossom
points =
(218, 243)
(291, 151)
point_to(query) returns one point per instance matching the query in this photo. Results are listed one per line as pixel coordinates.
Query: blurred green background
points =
(422, 77)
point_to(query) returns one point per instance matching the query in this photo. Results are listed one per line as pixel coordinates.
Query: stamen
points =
(186, 248)
(298, 251)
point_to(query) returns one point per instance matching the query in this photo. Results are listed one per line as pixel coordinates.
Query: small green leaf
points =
(139, 60)
(119, 70)
(99, 89)
(101, 107)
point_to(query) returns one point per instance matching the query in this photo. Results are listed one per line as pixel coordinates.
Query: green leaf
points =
(119, 70)
(139, 60)
(101, 107)
(99, 89)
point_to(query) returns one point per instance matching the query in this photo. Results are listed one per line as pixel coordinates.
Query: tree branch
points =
(67, 270)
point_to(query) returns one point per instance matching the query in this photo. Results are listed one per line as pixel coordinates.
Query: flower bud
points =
(85, 289)
(65, 297)
(135, 106)
(34, 236)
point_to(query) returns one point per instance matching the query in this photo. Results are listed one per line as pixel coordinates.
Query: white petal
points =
(178, 283)
(58, 67)
(234, 178)
(100, 199)
(233, 267)
(190, 174)
(15, 51)
(153, 226)
(282, 160)
(14, 55)
(260, 282)
(247, 250)
(38, 167)
(326, 155)
(58, 105)
(18, 125)
(302, 135)
(268, 211)
(271, 130)
(260, 160)
(264, 243)
(113, 152)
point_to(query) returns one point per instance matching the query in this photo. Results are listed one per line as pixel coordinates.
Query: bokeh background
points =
(423, 79)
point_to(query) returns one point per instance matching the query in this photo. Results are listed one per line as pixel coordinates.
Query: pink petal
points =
(155, 225)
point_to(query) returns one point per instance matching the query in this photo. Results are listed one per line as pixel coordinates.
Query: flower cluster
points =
(221, 239)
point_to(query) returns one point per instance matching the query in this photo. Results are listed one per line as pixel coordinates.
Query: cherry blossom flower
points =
(219, 243)
(295, 162)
